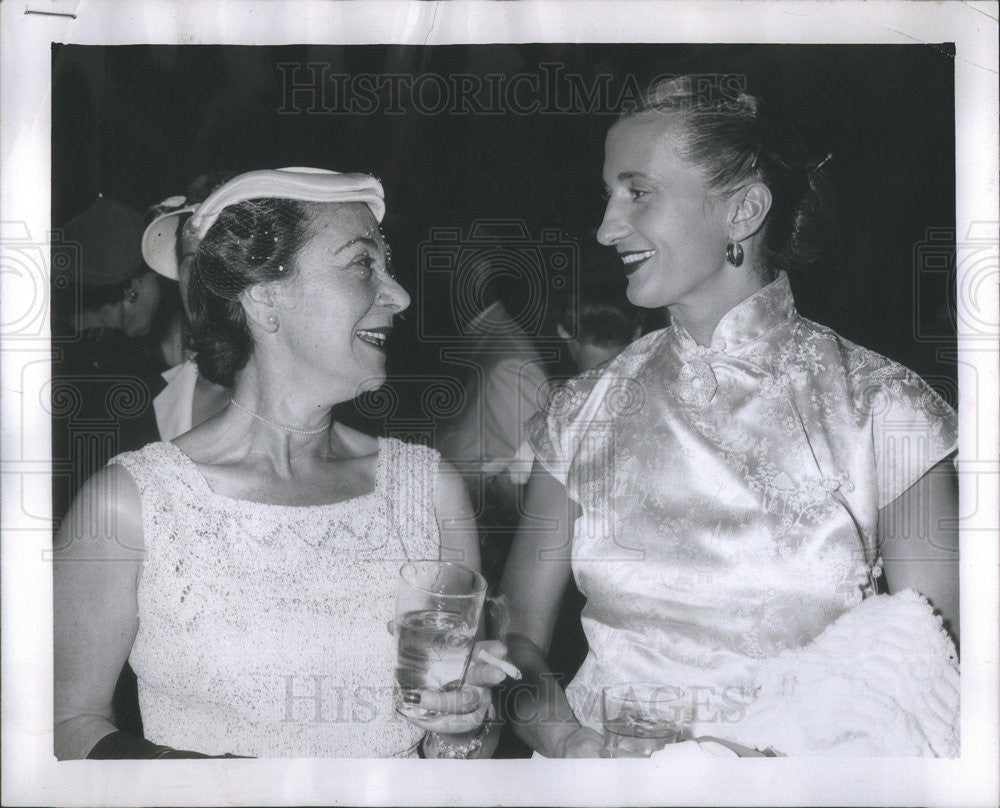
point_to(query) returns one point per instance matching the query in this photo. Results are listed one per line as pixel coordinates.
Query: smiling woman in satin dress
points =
(728, 488)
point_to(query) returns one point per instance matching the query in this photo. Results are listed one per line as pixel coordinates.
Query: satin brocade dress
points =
(729, 494)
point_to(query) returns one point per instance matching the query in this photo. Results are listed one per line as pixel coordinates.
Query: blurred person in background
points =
(505, 381)
(188, 398)
(598, 322)
(103, 303)
(509, 380)
(595, 321)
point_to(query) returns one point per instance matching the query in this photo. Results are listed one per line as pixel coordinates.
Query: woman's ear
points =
(258, 303)
(753, 205)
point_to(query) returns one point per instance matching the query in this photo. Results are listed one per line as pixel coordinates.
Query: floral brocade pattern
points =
(262, 628)
(731, 513)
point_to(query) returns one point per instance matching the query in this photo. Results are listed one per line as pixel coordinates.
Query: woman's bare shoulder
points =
(105, 519)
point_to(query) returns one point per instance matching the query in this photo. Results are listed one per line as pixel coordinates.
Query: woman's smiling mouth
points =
(374, 336)
(634, 260)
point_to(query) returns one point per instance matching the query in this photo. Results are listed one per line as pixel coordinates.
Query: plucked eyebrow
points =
(625, 176)
(632, 175)
(359, 240)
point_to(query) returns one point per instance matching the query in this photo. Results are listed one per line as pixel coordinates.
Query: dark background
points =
(136, 123)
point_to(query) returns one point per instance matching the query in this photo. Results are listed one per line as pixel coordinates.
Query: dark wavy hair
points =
(252, 242)
(736, 140)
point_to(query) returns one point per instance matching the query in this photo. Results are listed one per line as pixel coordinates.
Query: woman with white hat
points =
(247, 569)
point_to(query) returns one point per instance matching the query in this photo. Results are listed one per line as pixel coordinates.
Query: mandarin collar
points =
(748, 321)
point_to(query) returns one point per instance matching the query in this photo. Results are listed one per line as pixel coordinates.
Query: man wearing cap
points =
(103, 380)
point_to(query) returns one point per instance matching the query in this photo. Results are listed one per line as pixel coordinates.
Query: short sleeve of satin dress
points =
(729, 493)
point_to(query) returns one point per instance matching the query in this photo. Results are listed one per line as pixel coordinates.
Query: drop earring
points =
(734, 253)
(272, 323)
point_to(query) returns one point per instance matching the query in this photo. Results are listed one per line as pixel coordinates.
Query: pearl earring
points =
(272, 321)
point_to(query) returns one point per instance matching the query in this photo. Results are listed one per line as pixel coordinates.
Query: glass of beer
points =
(438, 609)
(641, 718)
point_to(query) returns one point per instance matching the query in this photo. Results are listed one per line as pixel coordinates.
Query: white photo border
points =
(30, 773)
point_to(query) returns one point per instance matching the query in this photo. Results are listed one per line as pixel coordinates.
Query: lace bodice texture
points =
(262, 628)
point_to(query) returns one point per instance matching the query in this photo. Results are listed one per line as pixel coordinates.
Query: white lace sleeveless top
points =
(262, 628)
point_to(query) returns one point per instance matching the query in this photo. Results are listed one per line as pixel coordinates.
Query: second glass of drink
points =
(642, 717)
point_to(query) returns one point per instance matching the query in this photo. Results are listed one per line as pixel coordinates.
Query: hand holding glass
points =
(641, 718)
(438, 609)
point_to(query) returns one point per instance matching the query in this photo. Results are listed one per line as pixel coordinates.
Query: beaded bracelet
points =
(446, 749)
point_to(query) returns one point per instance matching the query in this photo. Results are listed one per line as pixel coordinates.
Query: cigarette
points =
(503, 664)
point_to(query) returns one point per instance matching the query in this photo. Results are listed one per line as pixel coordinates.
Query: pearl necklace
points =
(251, 413)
